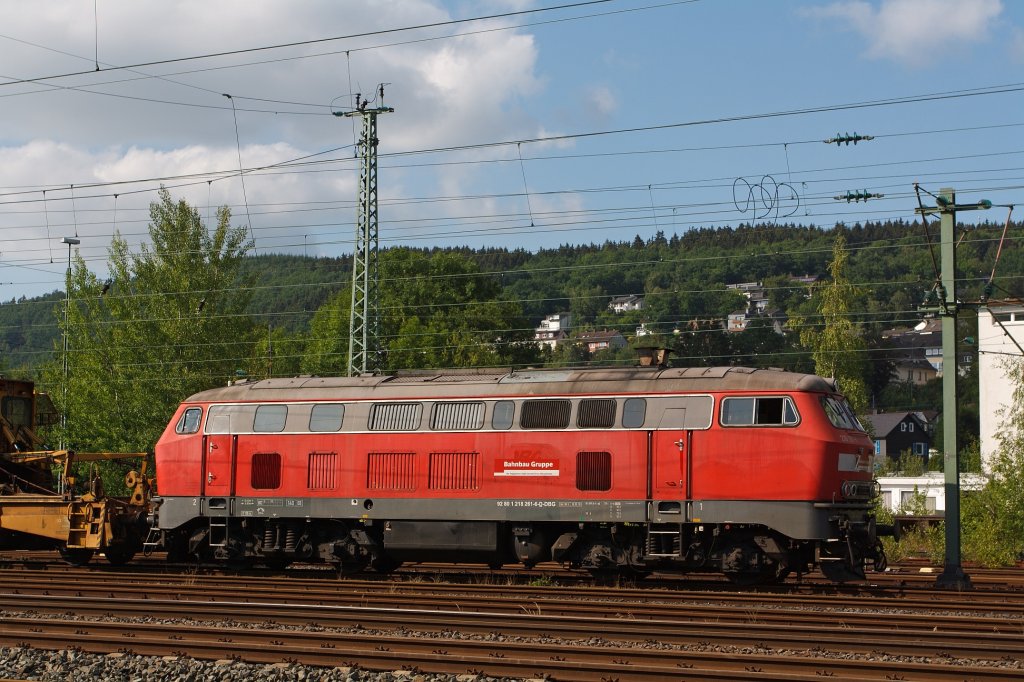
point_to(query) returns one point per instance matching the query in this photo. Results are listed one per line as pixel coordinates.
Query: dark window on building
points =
(545, 414)
(395, 416)
(634, 411)
(189, 422)
(596, 413)
(593, 471)
(772, 411)
(457, 416)
(270, 418)
(266, 471)
(324, 418)
(322, 471)
(504, 414)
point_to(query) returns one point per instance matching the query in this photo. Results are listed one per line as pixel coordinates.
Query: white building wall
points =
(995, 350)
(897, 491)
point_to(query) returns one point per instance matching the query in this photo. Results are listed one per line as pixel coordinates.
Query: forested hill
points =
(683, 278)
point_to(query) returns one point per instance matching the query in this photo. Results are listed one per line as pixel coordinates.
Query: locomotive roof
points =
(470, 383)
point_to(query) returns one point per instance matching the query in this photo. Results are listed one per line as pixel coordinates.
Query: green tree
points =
(168, 323)
(436, 310)
(326, 350)
(838, 348)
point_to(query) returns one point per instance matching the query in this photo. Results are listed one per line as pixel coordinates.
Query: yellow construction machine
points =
(44, 504)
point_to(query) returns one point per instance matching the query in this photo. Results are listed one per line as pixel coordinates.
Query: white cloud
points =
(459, 90)
(916, 33)
(601, 100)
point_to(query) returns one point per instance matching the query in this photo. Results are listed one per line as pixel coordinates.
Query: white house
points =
(898, 492)
(552, 330)
(1000, 333)
(621, 304)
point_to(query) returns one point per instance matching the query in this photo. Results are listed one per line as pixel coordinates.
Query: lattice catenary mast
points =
(364, 316)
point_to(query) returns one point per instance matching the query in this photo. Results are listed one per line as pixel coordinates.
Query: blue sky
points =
(558, 86)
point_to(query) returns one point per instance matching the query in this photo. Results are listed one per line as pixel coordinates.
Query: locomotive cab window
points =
(759, 411)
(189, 422)
(840, 414)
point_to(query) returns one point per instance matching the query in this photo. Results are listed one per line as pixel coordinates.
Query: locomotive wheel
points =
(119, 556)
(76, 556)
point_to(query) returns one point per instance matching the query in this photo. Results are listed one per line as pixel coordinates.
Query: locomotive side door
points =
(219, 447)
(671, 453)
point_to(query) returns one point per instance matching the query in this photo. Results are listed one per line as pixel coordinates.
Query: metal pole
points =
(364, 312)
(70, 241)
(952, 576)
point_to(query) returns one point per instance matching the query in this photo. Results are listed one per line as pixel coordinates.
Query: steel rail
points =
(636, 603)
(563, 662)
(894, 638)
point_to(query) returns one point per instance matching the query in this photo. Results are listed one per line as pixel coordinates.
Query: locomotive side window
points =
(325, 418)
(593, 471)
(457, 416)
(189, 422)
(221, 418)
(596, 414)
(266, 471)
(395, 416)
(545, 414)
(270, 418)
(773, 411)
(634, 410)
(504, 413)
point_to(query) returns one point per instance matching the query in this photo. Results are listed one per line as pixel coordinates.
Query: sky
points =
(516, 124)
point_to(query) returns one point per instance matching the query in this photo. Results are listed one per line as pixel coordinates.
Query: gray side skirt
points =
(798, 520)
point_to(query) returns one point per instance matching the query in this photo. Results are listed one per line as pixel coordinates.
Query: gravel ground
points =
(78, 666)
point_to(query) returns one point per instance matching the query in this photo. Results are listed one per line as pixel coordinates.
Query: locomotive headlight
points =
(858, 490)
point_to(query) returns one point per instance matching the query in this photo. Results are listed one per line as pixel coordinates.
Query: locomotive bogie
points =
(752, 473)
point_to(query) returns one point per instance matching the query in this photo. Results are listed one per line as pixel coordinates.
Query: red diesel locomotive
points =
(751, 472)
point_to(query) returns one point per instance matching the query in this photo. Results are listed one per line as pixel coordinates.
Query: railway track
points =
(571, 633)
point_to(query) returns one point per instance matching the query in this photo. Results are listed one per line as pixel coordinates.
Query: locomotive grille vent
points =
(322, 470)
(593, 471)
(266, 471)
(545, 414)
(596, 414)
(453, 471)
(396, 416)
(457, 416)
(390, 471)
